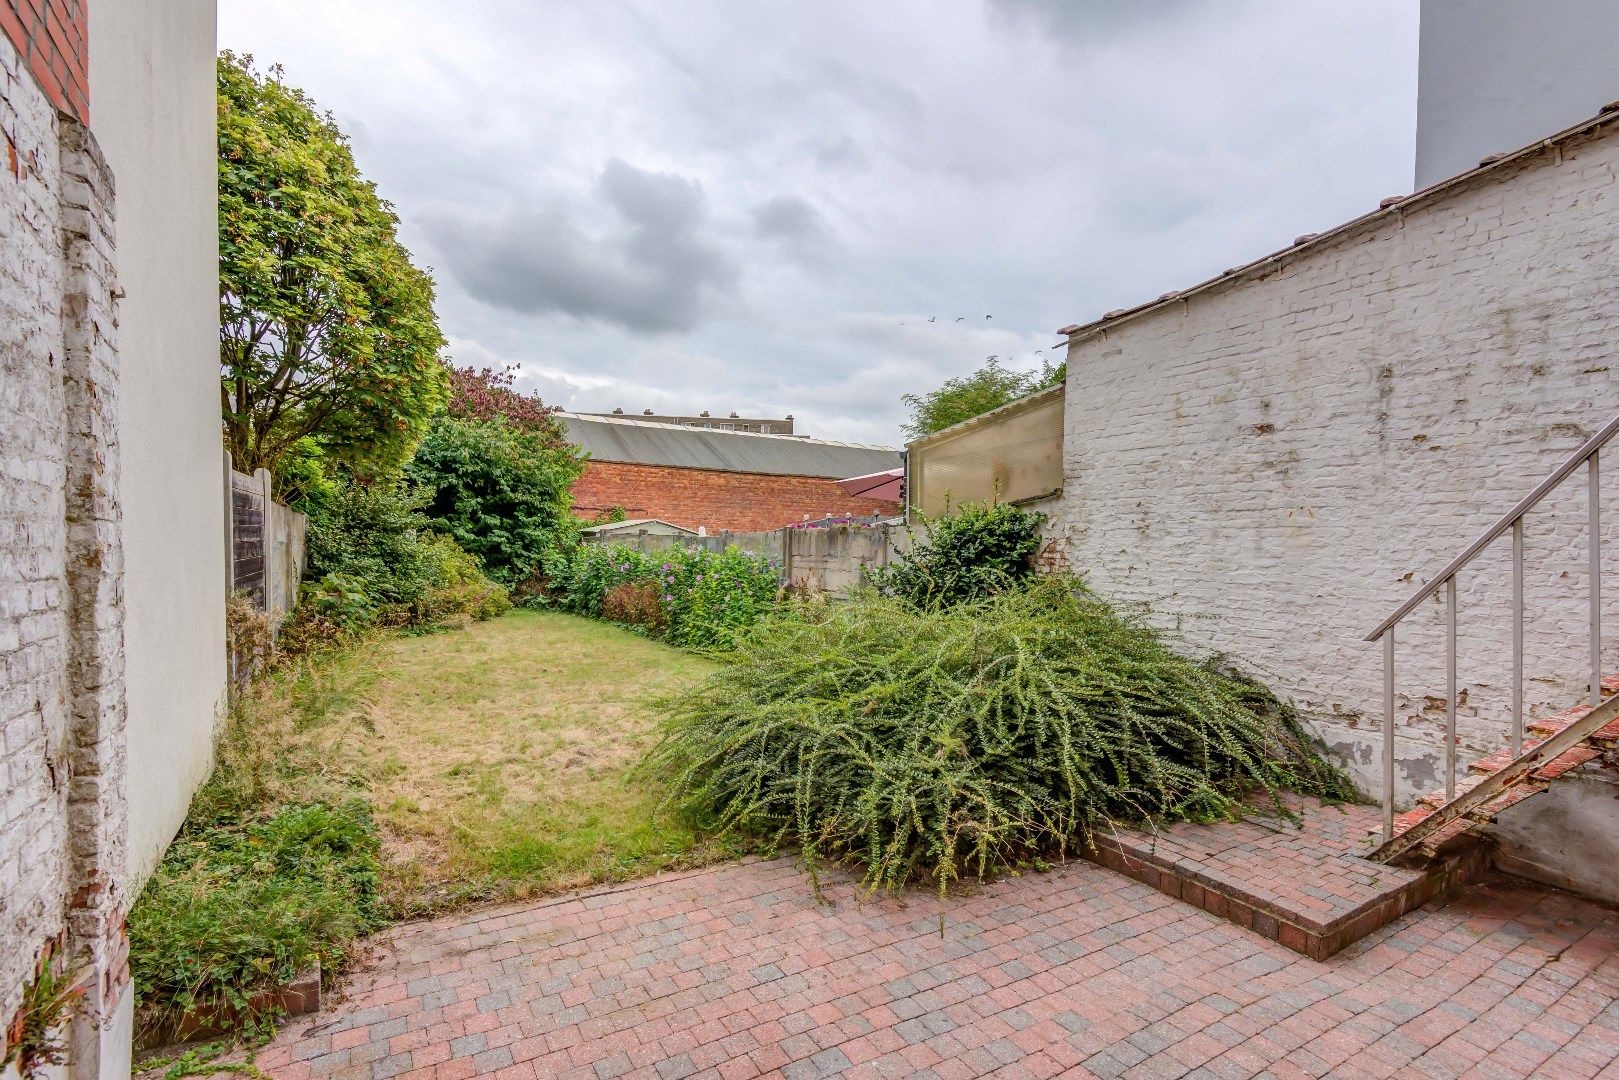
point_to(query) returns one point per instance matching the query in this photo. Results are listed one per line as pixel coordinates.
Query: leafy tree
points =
(327, 330)
(967, 396)
(502, 492)
(487, 394)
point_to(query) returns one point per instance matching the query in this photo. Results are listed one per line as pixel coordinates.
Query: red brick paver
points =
(1297, 879)
(737, 972)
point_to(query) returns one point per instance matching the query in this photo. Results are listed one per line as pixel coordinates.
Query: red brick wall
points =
(53, 38)
(740, 502)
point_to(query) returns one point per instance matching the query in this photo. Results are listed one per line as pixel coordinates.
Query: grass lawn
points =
(497, 756)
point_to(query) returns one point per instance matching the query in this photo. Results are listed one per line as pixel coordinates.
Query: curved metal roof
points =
(639, 443)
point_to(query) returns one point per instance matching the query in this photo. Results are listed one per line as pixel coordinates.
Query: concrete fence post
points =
(230, 527)
(267, 542)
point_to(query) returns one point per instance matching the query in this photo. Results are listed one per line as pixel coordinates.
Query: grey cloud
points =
(789, 218)
(842, 153)
(1099, 21)
(791, 194)
(654, 272)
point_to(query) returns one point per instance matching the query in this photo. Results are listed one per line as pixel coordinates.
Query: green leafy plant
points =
(327, 331)
(373, 560)
(501, 491)
(709, 598)
(940, 741)
(238, 908)
(37, 1037)
(967, 396)
(975, 552)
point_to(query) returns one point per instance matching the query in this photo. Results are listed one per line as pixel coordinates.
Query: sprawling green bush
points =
(709, 597)
(372, 559)
(975, 552)
(234, 909)
(501, 491)
(582, 578)
(931, 742)
(373, 534)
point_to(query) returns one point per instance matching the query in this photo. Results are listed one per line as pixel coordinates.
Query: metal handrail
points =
(1525, 504)
(1588, 455)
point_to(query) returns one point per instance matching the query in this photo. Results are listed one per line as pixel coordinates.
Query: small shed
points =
(610, 530)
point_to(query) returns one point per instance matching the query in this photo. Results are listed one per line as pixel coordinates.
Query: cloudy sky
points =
(781, 206)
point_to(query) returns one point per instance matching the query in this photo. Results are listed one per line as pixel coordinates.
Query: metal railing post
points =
(1593, 474)
(1588, 455)
(1450, 689)
(1388, 734)
(1517, 637)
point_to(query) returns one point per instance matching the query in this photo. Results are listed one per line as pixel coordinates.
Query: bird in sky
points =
(960, 317)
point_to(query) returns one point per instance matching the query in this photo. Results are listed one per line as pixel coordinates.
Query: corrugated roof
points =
(1390, 207)
(638, 443)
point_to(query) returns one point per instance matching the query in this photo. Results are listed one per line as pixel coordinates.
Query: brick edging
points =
(1229, 900)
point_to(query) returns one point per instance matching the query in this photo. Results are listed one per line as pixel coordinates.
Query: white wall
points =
(152, 109)
(1274, 464)
(1495, 75)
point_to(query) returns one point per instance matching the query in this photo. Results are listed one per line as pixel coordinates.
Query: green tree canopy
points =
(503, 493)
(967, 396)
(327, 330)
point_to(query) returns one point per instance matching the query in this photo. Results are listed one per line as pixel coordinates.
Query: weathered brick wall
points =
(1273, 464)
(740, 502)
(62, 828)
(51, 39)
(33, 536)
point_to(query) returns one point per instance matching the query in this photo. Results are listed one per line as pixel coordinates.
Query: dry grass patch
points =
(497, 757)
(503, 754)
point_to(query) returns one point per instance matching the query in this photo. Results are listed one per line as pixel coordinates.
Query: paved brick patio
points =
(737, 972)
(1300, 881)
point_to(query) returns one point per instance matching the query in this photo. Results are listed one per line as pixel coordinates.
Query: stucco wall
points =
(1567, 836)
(152, 88)
(1273, 464)
(1494, 75)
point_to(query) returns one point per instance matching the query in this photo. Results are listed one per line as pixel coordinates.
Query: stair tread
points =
(1529, 785)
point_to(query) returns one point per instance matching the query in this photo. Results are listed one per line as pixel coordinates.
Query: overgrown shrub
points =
(372, 535)
(373, 561)
(503, 492)
(975, 552)
(714, 598)
(236, 909)
(583, 577)
(637, 603)
(932, 742)
(709, 598)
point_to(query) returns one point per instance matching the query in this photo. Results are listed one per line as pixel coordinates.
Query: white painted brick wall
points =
(33, 533)
(62, 784)
(1269, 464)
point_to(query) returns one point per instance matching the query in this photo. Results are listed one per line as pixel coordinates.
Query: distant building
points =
(1495, 75)
(632, 527)
(713, 479)
(757, 424)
